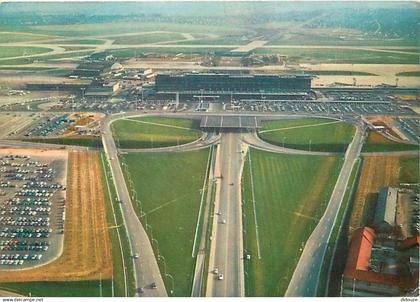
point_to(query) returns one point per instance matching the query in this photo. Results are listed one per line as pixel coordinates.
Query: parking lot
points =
(317, 107)
(410, 127)
(32, 206)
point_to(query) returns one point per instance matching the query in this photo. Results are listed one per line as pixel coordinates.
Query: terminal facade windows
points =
(231, 83)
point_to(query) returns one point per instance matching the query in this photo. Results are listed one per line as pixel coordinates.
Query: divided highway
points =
(226, 250)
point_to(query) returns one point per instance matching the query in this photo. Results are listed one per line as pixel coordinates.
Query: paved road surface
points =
(226, 245)
(146, 269)
(305, 278)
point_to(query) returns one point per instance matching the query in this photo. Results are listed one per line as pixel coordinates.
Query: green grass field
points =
(113, 28)
(94, 142)
(154, 132)
(22, 61)
(168, 186)
(81, 41)
(409, 172)
(61, 289)
(147, 38)
(308, 133)
(291, 193)
(9, 51)
(132, 52)
(22, 37)
(409, 74)
(331, 55)
(375, 142)
(74, 48)
(118, 252)
(225, 40)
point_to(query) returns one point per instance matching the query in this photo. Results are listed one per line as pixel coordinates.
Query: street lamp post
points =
(173, 283)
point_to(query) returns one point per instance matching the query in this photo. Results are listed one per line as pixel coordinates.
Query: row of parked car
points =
(26, 209)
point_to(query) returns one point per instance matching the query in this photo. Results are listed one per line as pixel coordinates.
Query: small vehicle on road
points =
(220, 277)
(136, 256)
(153, 285)
(216, 270)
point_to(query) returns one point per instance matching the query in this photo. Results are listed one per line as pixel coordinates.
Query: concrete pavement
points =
(226, 250)
(146, 269)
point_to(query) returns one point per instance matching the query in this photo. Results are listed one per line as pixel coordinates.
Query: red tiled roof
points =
(359, 252)
(409, 242)
(358, 259)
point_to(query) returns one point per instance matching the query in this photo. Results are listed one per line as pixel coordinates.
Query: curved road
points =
(146, 269)
(304, 282)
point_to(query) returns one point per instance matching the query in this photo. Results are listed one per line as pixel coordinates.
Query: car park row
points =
(28, 195)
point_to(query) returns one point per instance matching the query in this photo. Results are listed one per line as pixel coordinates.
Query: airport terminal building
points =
(196, 85)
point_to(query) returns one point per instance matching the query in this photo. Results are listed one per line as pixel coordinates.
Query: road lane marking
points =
(254, 205)
(202, 201)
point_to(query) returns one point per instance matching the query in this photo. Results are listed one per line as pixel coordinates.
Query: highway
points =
(146, 270)
(305, 278)
(226, 250)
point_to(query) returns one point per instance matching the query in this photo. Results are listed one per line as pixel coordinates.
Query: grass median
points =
(154, 132)
(314, 134)
(291, 193)
(168, 188)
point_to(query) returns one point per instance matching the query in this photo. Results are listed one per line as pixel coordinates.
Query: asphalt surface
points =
(226, 250)
(305, 278)
(146, 269)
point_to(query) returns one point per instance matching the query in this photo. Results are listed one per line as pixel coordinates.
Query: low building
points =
(374, 270)
(386, 205)
(105, 90)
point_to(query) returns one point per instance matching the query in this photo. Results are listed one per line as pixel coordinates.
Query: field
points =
(331, 55)
(86, 253)
(409, 74)
(377, 172)
(123, 274)
(168, 186)
(22, 37)
(154, 132)
(376, 142)
(9, 51)
(85, 141)
(338, 238)
(147, 38)
(92, 42)
(291, 193)
(308, 134)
